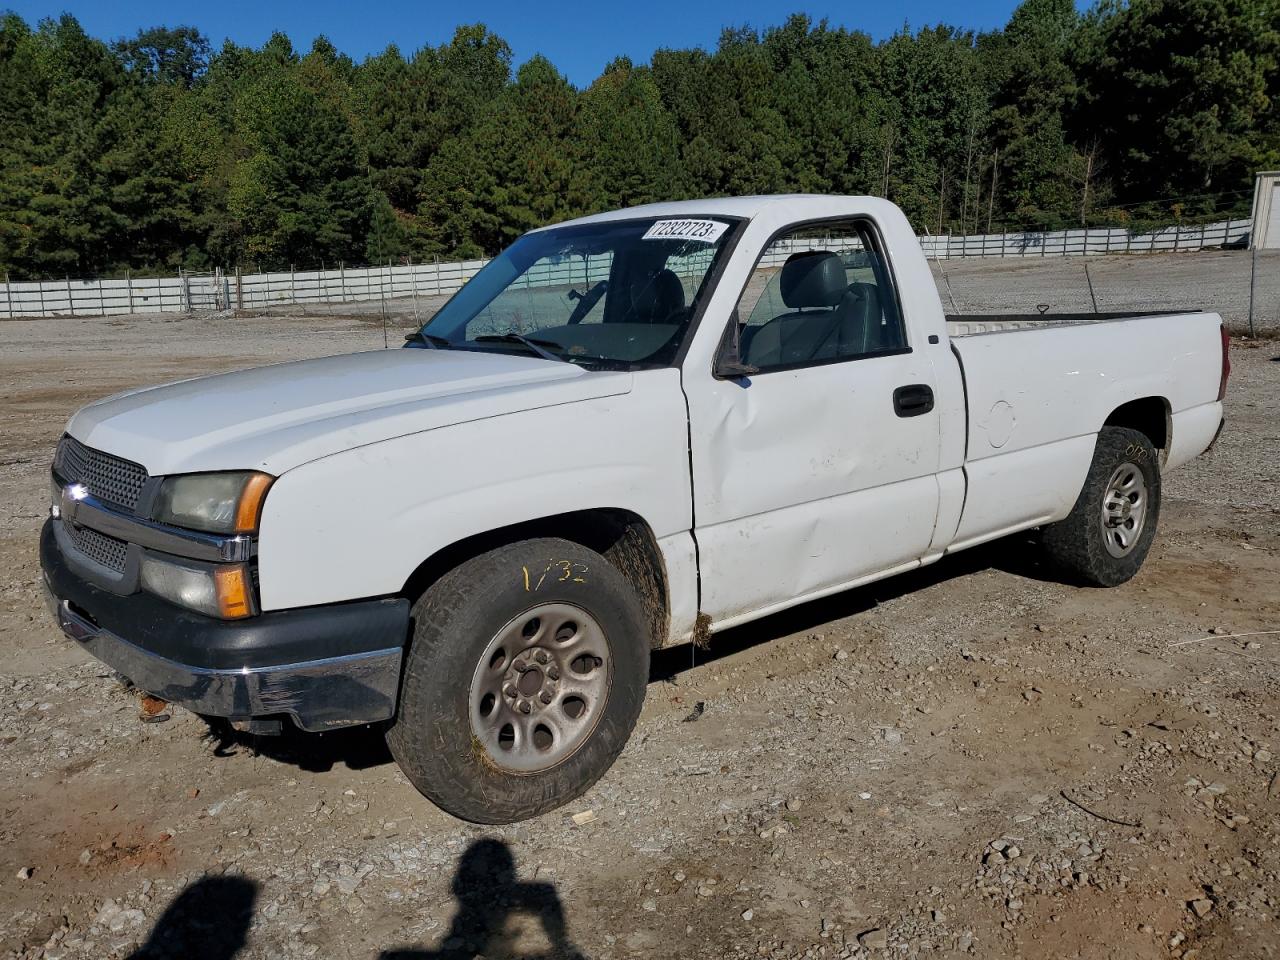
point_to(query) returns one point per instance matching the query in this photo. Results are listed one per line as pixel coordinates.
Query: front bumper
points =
(325, 667)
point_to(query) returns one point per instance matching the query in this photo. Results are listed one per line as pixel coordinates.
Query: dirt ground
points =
(972, 760)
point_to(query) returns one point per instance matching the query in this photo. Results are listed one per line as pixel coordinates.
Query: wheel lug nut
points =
(541, 656)
(546, 696)
(526, 706)
(521, 666)
(509, 689)
(554, 673)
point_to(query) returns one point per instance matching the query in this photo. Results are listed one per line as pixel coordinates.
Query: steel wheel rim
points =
(1124, 509)
(540, 687)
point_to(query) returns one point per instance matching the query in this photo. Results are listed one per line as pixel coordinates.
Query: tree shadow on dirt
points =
(209, 920)
(491, 904)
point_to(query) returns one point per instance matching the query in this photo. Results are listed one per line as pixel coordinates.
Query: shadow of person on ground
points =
(209, 920)
(490, 900)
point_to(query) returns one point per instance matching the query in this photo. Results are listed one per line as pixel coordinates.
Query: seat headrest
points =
(815, 278)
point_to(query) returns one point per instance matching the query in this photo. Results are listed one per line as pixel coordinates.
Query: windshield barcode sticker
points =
(703, 231)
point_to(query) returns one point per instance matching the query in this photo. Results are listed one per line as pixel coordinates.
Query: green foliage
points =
(300, 191)
(178, 56)
(1031, 102)
(629, 140)
(388, 238)
(1186, 94)
(520, 164)
(156, 152)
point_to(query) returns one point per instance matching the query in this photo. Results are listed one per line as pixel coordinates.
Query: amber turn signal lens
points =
(250, 507)
(234, 592)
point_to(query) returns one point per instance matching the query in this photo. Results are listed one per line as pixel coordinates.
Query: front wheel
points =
(524, 678)
(1107, 535)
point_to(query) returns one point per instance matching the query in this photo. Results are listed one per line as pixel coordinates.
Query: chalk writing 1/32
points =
(556, 571)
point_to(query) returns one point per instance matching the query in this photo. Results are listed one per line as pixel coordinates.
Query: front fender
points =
(356, 524)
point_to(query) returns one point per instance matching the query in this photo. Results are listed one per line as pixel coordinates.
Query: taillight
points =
(1226, 363)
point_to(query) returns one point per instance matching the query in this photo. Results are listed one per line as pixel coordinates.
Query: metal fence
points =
(1095, 241)
(342, 284)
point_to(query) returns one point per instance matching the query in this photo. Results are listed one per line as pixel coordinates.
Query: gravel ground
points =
(971, 760)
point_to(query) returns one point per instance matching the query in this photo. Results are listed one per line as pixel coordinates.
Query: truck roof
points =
(800, 205)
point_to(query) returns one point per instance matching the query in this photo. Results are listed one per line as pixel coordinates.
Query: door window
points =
(819, 294)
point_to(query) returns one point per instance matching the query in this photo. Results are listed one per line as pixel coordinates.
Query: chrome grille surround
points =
(109, 478)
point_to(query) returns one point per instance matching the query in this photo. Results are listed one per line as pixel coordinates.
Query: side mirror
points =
(729, 364)
(728, 368)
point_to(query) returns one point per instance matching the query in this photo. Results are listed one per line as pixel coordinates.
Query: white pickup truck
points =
(627, 431)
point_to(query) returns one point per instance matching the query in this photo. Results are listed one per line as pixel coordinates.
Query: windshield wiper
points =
(429, 340)
(537, 346)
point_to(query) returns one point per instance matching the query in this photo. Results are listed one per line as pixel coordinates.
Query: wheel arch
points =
(1151, 416)
(621, 536)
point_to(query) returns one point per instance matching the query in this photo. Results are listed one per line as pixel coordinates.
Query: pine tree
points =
(631, 143)
(1185, 95)
(388, 239)
(1034, 89)
(299, 191)
(521, 165)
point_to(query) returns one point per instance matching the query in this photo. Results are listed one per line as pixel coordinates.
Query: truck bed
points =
(1034, 404)
(973, 324)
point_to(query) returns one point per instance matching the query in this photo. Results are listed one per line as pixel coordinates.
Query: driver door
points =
(817, 470)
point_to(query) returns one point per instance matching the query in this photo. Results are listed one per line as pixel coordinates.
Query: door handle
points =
(913, 400)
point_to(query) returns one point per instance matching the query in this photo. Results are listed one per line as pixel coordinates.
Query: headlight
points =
(213, 502)
(218, 590)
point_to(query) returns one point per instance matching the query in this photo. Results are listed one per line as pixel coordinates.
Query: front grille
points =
(98, 547)
(111, 479)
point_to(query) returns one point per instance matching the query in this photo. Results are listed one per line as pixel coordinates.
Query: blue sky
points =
(580, 38)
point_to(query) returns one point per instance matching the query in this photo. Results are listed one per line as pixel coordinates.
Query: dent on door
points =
(806, 480)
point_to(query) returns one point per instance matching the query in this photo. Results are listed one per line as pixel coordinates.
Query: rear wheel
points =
(1107, 535)
(523, 681)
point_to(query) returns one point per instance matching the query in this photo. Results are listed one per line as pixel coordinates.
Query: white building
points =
(1266, 211)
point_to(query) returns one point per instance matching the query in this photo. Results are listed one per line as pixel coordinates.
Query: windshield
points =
(611, 294)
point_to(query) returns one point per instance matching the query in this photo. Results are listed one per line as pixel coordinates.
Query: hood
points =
(276, 417)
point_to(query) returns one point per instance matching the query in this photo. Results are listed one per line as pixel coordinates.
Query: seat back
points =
(813, 284)
(865, 327)
(654, 298)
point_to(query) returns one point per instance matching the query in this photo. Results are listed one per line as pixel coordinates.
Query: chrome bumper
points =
(318, 694)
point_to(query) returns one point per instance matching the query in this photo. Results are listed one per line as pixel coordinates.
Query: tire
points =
(1101, 542)
(524, 631)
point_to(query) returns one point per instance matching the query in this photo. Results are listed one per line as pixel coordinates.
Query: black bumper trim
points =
(270, 639)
